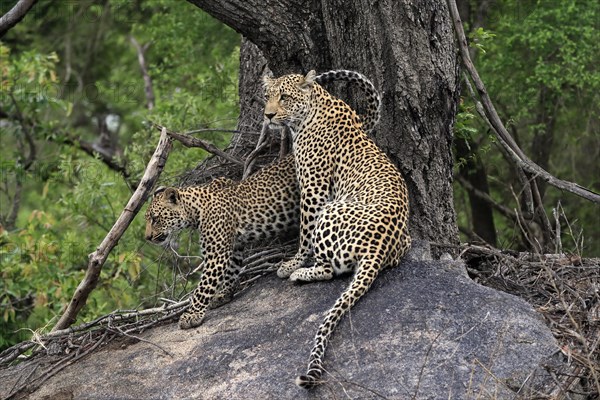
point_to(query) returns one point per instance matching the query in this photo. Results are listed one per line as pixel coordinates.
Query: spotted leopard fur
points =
(231, 215)
(353, 200)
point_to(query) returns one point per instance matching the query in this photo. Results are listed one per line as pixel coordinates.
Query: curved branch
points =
(265, 22)
(498, 127)
(502, 209)
(15, 15)
(107, 159)
(251, 18)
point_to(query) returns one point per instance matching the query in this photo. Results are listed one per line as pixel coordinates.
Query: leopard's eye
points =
(284, 97)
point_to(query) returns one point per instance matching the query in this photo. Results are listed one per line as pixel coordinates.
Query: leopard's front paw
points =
(312, 274)
(288, 267)
(219, 299)
(190, 320)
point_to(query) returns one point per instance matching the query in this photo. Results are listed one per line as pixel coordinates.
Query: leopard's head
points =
(165, 215)
(288, 98)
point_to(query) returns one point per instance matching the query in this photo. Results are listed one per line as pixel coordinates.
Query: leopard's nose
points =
(148, 236)
(269, 115)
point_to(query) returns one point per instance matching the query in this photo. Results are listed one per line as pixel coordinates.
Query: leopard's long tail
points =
(366, 273)
(371, 118)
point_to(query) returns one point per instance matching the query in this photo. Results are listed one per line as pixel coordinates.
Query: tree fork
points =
(408, 51)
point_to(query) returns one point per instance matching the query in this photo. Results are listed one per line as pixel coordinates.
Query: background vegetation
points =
(75, 136)
(71, 81)
(539, 61)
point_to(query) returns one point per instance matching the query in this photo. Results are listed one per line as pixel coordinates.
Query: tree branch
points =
(498, 127)
(27, 132)
(26, 162)
(250, 18)
(15, 205)
(141, 50)
(89, 148)
(97, 258)
(15, 15)
(189, 141)
(502, 209)
(265, 22)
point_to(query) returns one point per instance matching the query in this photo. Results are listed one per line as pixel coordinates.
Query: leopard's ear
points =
(267, 80)
(309, 80)
(172, 195)
(159, 190)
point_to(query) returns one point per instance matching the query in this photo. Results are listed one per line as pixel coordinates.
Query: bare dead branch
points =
(498, 127)
(97, 258)
(15, 15)
(189, 141)
(148, 90)
(33, 384)
(260, 145)
(502, 209)
(563, 288)
(193, 131)
(107, 159)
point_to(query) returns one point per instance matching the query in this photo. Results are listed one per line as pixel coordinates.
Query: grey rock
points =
(424, 331)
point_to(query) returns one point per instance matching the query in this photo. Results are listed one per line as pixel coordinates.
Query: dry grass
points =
(565, 289)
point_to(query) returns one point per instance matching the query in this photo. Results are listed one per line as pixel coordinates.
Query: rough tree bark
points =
(406, 48)
(14, 15)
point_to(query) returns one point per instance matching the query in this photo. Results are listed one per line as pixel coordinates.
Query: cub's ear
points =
(172, 195)
(309, 80)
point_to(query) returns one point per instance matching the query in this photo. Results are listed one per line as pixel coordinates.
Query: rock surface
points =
(424, 331)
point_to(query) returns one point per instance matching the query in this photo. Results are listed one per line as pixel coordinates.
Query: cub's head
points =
(288, 98)
(165, 215)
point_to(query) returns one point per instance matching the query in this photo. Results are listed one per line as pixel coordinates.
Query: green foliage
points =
(540, 66)
(65, 69)
(541, 70)
(478, 37)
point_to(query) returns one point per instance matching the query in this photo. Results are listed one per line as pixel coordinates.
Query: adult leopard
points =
(353, 200)
(231, 215)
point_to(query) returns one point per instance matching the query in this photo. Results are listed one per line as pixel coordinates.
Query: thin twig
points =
(189, 141)
(122, 332)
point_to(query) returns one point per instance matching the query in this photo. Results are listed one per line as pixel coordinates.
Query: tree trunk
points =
(406, 48)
